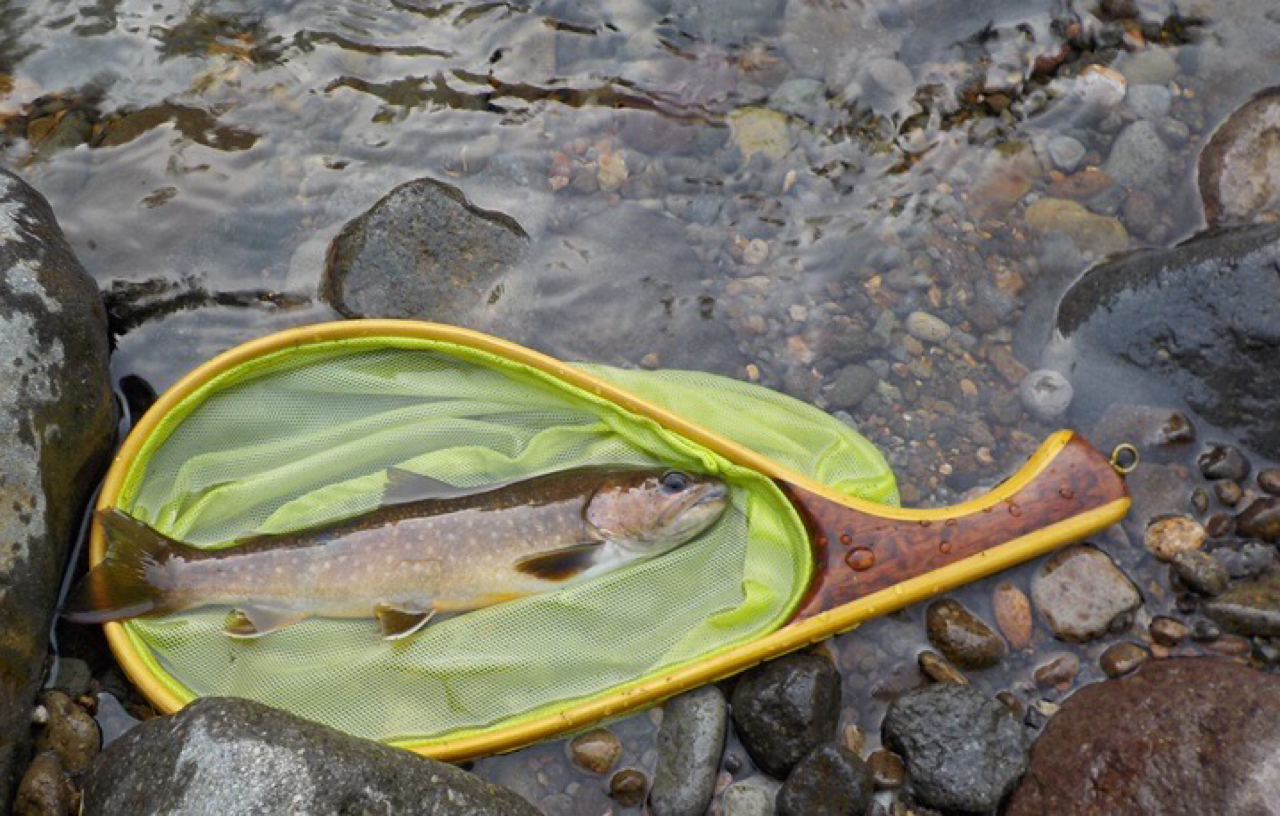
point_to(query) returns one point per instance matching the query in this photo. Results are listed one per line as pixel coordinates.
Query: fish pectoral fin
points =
(397, 622)
(253, 622)
(561, 564)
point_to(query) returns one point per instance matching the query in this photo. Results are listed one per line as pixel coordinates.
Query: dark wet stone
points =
(936, 668)
(422, 252)
(963, 751)
(962, 636)
(1200, 500)
(1228, 492)
(1219, 525)
(887, 770)
(45, 789)
(1223, 462)
(1167, 631)
(57, 426)
(851, 385)
(1196, 322)
(1239, 169)
(1057, 671)
(1122, 658)
(1250, 608)
(234, 756)
(1201, 572)
(830, 781)
(1118, 9)
(1261, 519)
(690, 742)
(595, 751)
(1197, 738)
(1205, 631)
(1081, 592)
(786, 708)
(627, 787)
(1269, 480)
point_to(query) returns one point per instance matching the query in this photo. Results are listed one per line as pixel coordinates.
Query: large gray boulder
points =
(57, 427)
(1195, 324)
(223, 756)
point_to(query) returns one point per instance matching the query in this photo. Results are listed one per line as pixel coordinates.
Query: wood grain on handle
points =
(857, 553)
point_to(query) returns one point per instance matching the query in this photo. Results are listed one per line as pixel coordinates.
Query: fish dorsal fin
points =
(253, 622)
(561, 564)
(404, 486)
(398, 622)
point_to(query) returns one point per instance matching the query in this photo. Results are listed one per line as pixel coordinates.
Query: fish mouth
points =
(710, 493)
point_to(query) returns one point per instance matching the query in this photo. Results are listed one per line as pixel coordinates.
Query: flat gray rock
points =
(690, 742)
(223, 756)
(57, 426)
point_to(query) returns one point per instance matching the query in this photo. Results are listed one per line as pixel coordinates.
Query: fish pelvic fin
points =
(132, 579)
(397, 623)
(561, 564)
(254, 622)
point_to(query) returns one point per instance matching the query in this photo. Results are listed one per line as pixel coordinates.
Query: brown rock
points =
(936, 668)
(963, 637)
(1239, 170)
(627, 787)
(1058, 671)
(1261, 519)
(1122, 658)
(68, 732)
(887, 770)
(1082, 186)
(1166, 537)
(1197, 738)
(1099, 234)
(1166, 631)
(45, 789)
(1269, 480)
(595, 751)
(1013, 614)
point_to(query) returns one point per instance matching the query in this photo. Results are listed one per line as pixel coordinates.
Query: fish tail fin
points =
(129, 581)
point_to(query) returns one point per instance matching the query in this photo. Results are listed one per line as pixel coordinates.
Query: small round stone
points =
(887, 770)
(1261, 519)
(1200, 500)
(936, 668)
(1269, 480)
(1168, 536)
(1219, 525)
(1013, 614)
(961, 636)
(596, 751)
(1228, 492)
(1201, 572)
(627, 787)
(1058, 671)
(830, 780)
(1122, 658)
(926, 328)
(1205, 631)
(1046, 394)
(1223, 462)
(1167, 631)
(1066, 153)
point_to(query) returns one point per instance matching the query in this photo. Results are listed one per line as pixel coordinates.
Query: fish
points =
(428, 548)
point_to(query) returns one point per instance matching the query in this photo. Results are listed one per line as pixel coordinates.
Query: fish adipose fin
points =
(561, 564)
(132, 579)
(253, 622)
(397, 623)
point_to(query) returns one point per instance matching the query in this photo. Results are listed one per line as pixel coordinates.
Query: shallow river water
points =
(766, 189)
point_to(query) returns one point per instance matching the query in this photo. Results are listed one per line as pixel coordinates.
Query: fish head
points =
(648, 512)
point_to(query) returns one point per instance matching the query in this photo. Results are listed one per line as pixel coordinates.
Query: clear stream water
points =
(796, 175)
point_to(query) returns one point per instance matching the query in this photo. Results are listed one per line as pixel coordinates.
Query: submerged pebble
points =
(1122, 658)
(1261, 519)
(1223, 462)
(595, 751)
(1081, 592)
(962, 636)
(1166, 537)
(1046, 394)
(1013, 614)
(830, 781)
(1201, 572)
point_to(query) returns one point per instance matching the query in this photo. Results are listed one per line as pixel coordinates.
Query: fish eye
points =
(673, 481)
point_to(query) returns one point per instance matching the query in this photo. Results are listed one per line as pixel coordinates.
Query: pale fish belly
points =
(451, 562)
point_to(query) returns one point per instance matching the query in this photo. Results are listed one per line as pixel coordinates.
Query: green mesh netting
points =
(304, 436)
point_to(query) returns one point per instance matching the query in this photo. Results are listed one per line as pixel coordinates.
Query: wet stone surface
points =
(1080, 593)
(830, 781)
(963, 637)
(690, 742)
(1249, 608)
(963, 751)
(785, 708)
(1211, 715)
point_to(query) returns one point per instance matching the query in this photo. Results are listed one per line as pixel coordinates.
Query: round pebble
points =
(1223, 462)
(1168, 536)
(936, 668)
(926, 328)
(1269, 480)
(1057, 671)
(1228, 492)
(1122, 658)
(1013, 614)
(1045, 394)
(1261, 519)
(627, 787)
(1167, 631)
(887, 770)
(1219, 525)
(596, 751)
(1066, 153)
(1082, 594)
(961, 636)
(1149, 101)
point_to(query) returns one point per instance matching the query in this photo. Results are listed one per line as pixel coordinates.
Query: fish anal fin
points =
(561, 564)
(253, 622)
(401, 622)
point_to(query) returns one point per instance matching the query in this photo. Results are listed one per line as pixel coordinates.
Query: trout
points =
(429, 548)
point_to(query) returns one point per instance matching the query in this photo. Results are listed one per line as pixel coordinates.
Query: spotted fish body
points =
(412, 557)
